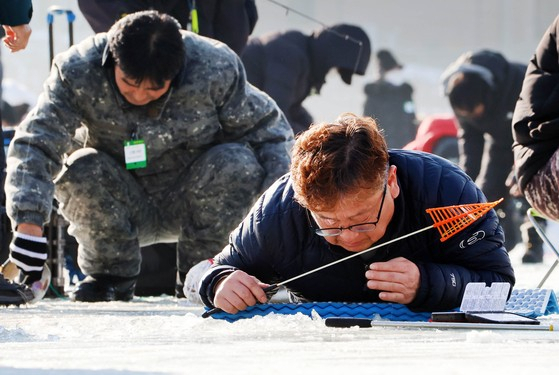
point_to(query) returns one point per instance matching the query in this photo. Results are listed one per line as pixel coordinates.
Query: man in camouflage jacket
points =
(201, 144)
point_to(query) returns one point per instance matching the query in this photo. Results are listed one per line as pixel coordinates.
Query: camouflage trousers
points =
(543, 189)
(111, 215)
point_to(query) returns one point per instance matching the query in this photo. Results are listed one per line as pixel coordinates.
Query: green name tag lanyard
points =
(135, 155)
(194, 18)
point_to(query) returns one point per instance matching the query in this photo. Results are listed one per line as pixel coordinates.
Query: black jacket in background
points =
(392, 106)
(229, 21)
(15, 12)
(489, 162)
(535, 124)
(275, 242)
(289, 65)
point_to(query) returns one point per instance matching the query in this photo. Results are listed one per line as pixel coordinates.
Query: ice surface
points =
(163, 335)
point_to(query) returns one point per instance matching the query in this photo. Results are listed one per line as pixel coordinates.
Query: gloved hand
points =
(29, 253)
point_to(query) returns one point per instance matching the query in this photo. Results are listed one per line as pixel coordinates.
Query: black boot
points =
(179, 284)
(104, 288)
(13, 293)
(533, 244)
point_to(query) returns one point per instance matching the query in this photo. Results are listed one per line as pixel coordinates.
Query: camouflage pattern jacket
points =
(209, 103)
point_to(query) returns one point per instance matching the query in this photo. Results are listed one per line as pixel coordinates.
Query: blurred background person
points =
(535, 128)
(389, 101)
(230, 21)
(15, 16)
(291, 65)
(482, 88)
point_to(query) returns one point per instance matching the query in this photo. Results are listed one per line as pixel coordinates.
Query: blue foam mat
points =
(389, 311)
(528, 302)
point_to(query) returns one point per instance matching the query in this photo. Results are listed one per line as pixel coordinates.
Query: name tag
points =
(135, 155)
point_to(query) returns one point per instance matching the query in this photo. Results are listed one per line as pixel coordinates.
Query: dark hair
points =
(331, 160)
(147, 45)
(467, 91)
(386, 61)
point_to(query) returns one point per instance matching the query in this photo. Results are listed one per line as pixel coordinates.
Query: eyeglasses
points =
(358, 228)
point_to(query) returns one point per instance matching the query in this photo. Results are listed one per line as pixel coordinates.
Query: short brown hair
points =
(330, 160)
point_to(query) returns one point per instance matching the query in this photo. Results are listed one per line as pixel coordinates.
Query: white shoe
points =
(192, 281)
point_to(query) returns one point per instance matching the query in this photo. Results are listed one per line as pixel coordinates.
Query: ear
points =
(393, 186)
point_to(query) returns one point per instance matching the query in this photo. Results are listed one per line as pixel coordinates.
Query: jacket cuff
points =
(18, 14)
(30, 217)
(210, 280)
(422, 292)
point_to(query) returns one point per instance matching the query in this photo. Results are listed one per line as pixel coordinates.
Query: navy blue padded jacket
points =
(275, 242)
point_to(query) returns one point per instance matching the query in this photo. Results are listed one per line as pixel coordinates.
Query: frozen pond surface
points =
(163, 335)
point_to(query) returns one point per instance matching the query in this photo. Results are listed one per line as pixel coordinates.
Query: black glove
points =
(29, 253)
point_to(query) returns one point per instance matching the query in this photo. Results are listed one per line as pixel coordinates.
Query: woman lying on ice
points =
(344, 193)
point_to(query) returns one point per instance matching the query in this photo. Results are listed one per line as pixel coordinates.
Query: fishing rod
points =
(448, 220)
